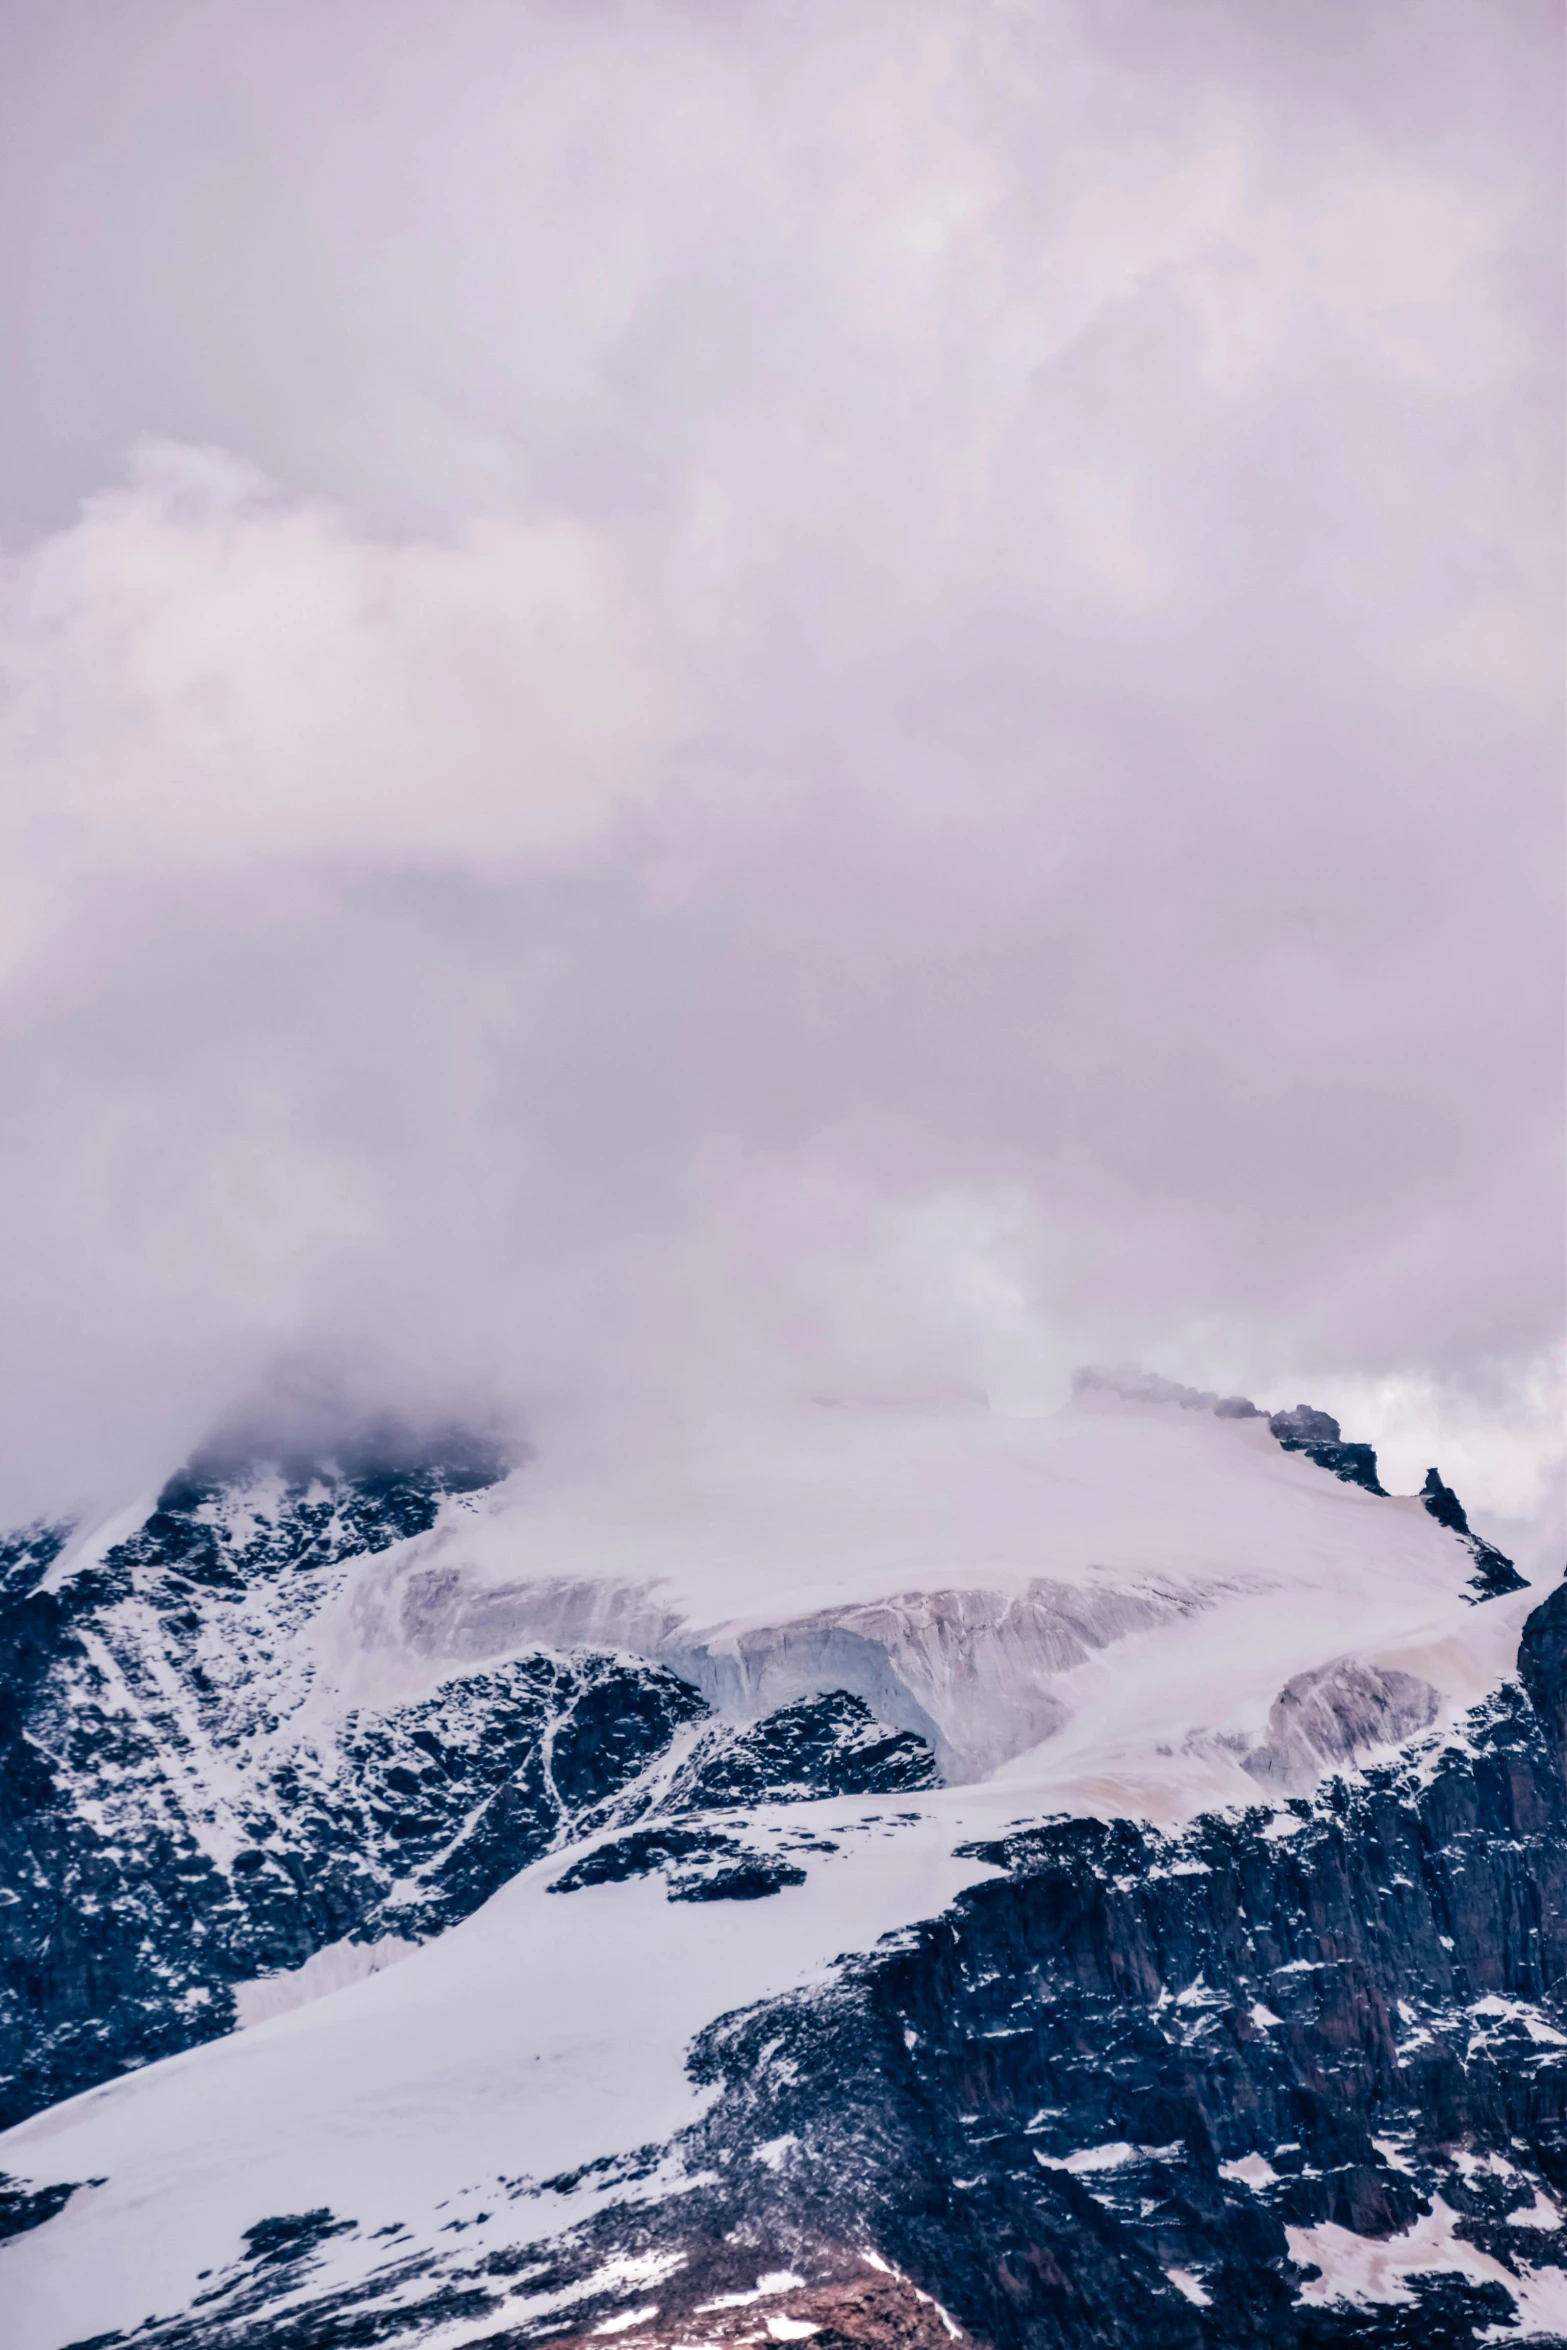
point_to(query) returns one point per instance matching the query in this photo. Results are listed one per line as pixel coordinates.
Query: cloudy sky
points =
(778, 697)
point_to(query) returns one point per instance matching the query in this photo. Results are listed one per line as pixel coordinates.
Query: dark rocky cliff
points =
(1335, 2015)
(1542, 1666)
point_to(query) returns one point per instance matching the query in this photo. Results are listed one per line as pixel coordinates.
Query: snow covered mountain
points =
(882, 1876)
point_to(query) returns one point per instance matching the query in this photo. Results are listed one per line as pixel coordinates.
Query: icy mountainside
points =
(1294, 2078)
(313, 1710)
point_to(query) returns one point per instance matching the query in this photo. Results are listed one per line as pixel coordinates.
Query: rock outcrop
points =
(1494, 1571)
(1542, 1665)
(1318, 1436)
(1334, 1716)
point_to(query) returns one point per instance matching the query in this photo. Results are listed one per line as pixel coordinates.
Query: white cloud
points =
(204, 681)
(871, 696)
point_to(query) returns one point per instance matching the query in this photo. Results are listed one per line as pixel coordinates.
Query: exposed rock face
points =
(829, 1745)
(698, 1864)
(1495, 1572)
(1318, 1436)
(20, 2210)
(1542, 1665)
(870, 2306)
(711, 2293)
(1336, 1715)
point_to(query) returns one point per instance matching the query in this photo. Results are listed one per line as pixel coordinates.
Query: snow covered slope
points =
(717, 1985)
(1136, 1571)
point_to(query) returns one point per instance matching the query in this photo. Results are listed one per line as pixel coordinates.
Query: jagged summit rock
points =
(1443, 1503)
(1495, 1572)
(1318, 1436)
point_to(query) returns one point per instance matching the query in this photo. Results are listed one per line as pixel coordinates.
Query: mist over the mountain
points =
(711, 703)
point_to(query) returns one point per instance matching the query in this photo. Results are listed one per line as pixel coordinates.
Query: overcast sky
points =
(706, 698)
